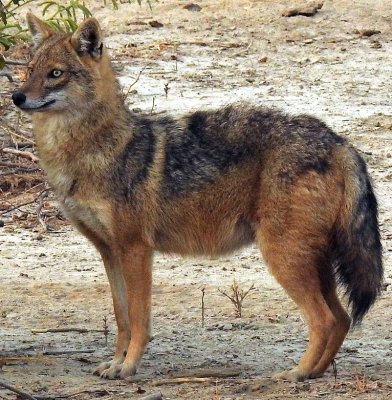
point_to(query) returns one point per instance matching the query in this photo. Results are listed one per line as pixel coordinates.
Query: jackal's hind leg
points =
(322, 324)
(337, 336)
(298, 263)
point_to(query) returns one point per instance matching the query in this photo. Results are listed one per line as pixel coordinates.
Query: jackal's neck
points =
(82, 142)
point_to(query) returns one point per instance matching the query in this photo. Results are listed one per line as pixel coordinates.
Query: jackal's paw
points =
(127, 370)
(293, 375)
(108, 370)
(115, 370)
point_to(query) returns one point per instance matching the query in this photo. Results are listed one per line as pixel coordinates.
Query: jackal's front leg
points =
(135, 265)
(119, 294)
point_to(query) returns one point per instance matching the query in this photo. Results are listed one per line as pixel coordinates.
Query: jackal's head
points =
(67, 71)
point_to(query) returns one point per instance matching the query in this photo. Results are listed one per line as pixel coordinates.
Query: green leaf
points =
(71, 23)
(55, 25)
(2, 62)
(3, 13)
(48, 4)
(86, 12)
(6, 42)
(115, 4)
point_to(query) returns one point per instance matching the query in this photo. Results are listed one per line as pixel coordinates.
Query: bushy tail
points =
(356, 246)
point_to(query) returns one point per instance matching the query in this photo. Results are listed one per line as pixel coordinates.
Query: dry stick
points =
(23, 204)
(25, 154)
(16, 62)
(154, 396)
(59, 352)
(203, 44)
(7, 75)
(11, 126)
(172, 381)
(96, 393)
(153, 105)
(17, 207)
(19, 145)
(4, 360)
(105, 329)
(198, 376)
(208, 373)
(202, 307)
(237, 297)
(44, 193)
(19, 170)
(60, 330)
(21, 393)
(9, 164)
(134, 82)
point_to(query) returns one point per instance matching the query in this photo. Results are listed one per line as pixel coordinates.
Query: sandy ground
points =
(229, 51)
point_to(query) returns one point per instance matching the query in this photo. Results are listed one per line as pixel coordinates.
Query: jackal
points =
(208, 183)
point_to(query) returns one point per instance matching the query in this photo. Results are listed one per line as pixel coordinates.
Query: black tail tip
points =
(361, 305)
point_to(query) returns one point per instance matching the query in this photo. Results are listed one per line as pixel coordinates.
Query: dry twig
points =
(134, 82)
(61, 330)
(24, 204)
(237, 297)
(59, 352)
(208, 373)
(17, 62)
(202, 306)
(7, 75)
(44, 193)
(154, 396)
(172, 381)
(21, 393)
(12, 130)
(20, 153)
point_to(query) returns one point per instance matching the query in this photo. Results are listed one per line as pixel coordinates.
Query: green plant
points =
(10, 29)
(115, 3)
(61, 17)
(64, 17)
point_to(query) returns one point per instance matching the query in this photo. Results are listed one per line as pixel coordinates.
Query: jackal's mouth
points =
(25, 107)
(29, 108)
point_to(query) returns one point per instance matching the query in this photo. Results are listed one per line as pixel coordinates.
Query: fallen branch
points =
(20, 171)
(6, 123)
(7, 75)
(5, 360)
(306, 10)
(20, 153)
(154, 396)
(134, 82)
(60, 330)
(206, 372)
(95, 393)
(9, 164)
(21, 393)
(59, 352)
(23, 204)
(177, 381)
(198, 376)
(44, 193)
(19, 145)
(17, 62)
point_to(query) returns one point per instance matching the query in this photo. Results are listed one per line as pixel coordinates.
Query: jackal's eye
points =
(56, 73)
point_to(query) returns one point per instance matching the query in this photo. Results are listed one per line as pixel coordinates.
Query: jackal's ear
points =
(87, 39)
(38, 29)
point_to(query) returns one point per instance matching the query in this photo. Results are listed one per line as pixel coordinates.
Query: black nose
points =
(18, 98)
